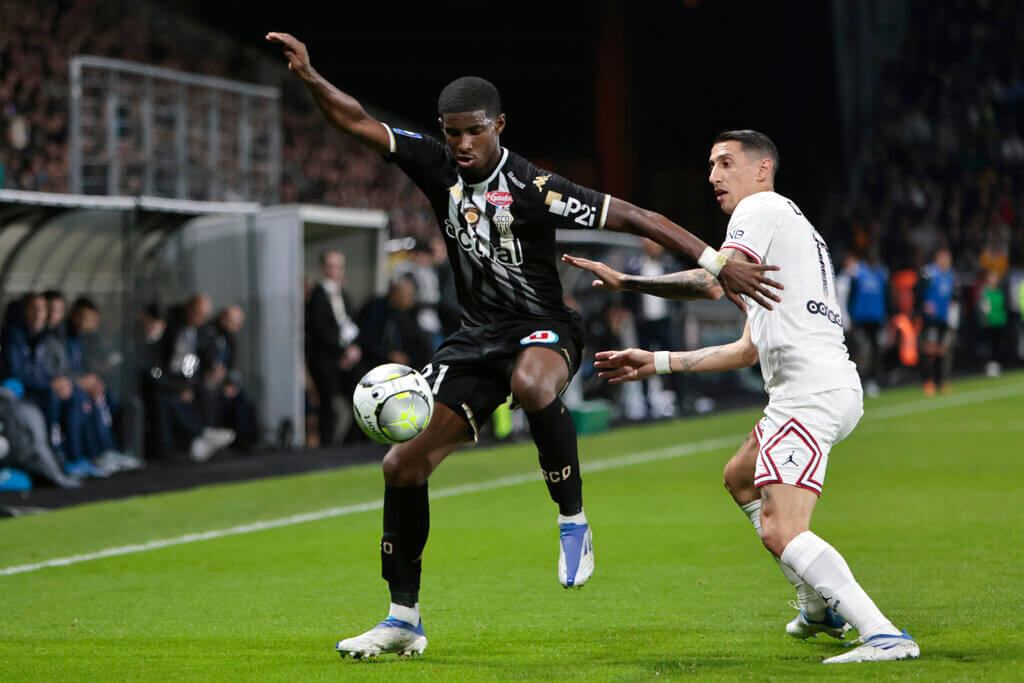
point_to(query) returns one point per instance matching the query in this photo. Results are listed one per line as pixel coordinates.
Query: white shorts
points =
(796, 434)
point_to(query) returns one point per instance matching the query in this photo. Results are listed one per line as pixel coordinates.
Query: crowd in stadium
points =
(939, 197)
(37, 41)
(929, 251)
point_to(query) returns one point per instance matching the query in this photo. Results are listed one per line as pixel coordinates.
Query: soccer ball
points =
(393, 403)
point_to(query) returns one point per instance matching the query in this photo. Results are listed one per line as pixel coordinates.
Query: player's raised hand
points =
(295, 51)
(631, 365)
(608, 279)
(741, 277)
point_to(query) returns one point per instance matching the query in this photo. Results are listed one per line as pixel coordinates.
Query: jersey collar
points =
(482, 185)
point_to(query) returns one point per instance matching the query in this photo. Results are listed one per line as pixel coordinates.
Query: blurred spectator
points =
(23, 427)
(224, 401)
(331, 351)
(422, 269)
(390, 331)
(61, 402)
(149, 356)
(180, 422)
(867, 309)
(653, 320)
(937, 286)
(83, 322)
(992, 319)
(613, 328)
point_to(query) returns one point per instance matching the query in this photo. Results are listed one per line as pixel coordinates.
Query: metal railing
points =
(144, 130)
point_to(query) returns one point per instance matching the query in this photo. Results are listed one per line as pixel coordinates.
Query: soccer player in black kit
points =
(498, 213)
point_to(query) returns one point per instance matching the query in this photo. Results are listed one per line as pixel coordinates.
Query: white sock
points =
(403, 613)
(579, 518)
(809, 601)
(753, 511)
(820, 565)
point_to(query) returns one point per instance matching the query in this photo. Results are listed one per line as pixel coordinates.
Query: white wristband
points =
(712, 261)
(662, 362)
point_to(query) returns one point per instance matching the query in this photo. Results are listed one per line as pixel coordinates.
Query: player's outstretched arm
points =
(686, 285)
(633, 365)
(737, 276)
(341, 109)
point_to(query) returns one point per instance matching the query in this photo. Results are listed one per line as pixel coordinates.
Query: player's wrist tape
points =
(662, 362)
(712, 261)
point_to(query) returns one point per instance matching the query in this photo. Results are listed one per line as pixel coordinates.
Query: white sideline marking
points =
(911, 408)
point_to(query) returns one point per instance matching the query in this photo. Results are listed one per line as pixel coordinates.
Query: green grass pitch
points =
(924, 500)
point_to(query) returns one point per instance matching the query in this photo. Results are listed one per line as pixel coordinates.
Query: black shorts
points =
(935, 332)
(471, 372)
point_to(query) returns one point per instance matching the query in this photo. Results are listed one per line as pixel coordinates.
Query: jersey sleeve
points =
(572, 206)
(422, 157)
(751, 228)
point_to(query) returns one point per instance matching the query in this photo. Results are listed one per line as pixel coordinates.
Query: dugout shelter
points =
(125, 252)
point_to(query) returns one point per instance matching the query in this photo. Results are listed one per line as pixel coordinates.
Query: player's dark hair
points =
(753, 140)
(53, 295)
(469, 93)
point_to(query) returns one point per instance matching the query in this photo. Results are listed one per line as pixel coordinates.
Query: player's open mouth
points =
(464, 161)
(720, 193)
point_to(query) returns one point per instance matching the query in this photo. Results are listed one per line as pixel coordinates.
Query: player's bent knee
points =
(532, 391)
(738, 478)
(402, 468)
(776, 534)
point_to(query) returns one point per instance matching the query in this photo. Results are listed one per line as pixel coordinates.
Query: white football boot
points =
(575, 554)
(390, 635)
(803, 627)
(880, 648)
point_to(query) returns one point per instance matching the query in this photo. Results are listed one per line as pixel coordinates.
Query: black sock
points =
(938, 370)
(406, 525)
(555, 435)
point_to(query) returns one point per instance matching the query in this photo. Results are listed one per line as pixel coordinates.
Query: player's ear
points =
(440, 123)
(764, 170)
(499, 124)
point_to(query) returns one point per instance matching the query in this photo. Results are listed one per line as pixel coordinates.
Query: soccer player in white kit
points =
(814, 392)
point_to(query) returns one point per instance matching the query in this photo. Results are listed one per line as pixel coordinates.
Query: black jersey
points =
(500, 232)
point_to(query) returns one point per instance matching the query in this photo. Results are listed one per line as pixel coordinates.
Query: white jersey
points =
(800, 343)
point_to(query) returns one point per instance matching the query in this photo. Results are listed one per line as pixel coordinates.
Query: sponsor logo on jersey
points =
(584, 214)
(456, 192)
(540, 180)
(540, 337)
(406, 133)
(735, 234)
(499, 198)
(515, 181)
(508, 253)
(821, 308)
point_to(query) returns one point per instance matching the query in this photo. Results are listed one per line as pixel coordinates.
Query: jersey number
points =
(828, 285)
(442, 369)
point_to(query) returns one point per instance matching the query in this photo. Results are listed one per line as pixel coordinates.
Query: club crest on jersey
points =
(502, 220)
(499, 198)
(539, 337)
(540, 180)
(406, 133)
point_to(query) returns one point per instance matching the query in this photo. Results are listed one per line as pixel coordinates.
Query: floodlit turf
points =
(924, 500)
